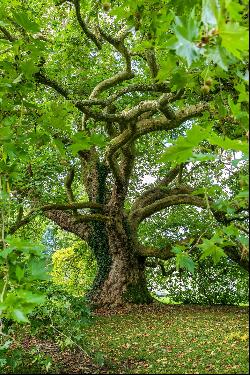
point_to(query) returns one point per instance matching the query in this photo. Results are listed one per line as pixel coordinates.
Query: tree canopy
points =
(125, 123)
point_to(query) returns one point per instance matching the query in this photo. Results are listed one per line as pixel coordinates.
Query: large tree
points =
(92, 93)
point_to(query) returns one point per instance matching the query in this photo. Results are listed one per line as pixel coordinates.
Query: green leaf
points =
(25, 246)
(32, 298)
(211, 12)
(202, 157)
(19, 316)
(18, 79)
(38, 269)
(178, 249)
(234, 9)
(4, 253)
(182, 150)
(234, 38)
(188, 50)
(60, 146)
(81, 142)
(243, 94)
(243, 194)
(98, 140)
(209, 248)
(29, 67)
(186, 31)
(76, 147)
(183, 260)
(228, 144)
(218, 56)
(23, 20)
(179, 79)
(19, 273)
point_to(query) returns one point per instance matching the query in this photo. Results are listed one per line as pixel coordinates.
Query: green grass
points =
(154, 339)
(174, 340)
(167, 300)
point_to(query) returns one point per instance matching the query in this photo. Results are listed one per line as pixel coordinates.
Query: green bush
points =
(74, 268)
(222, 284)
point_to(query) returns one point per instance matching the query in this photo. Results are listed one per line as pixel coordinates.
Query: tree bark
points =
(120, 274)
(121, 271)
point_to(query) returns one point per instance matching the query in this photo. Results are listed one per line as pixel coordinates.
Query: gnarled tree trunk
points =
(120, 277)
(121, 269)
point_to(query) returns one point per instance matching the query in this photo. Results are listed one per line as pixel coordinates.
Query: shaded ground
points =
(161, 339)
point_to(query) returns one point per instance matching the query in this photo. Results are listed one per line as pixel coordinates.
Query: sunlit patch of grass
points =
(167, 300)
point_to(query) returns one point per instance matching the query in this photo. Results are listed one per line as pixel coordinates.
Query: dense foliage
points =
(126, 124)
(221, 284)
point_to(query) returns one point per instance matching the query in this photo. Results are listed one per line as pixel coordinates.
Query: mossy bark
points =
(120, 276)
(120, 280)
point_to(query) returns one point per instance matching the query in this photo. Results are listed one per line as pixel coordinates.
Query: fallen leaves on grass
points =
(158, 339)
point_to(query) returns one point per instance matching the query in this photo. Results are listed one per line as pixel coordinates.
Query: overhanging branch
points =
(150, 251)
(53, 207)
(84, 26)
(156, 189)
(140, 214)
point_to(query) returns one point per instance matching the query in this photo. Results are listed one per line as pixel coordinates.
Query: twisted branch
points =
(84, 26)
(54, 207)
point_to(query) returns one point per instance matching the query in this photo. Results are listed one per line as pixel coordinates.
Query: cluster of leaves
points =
(224, 283)
(74, 268)
(62, 318)
(15, 358)
(212, 247)
(21, 263)
(64, 315)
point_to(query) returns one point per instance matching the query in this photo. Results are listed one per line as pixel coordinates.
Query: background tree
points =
(92, 94)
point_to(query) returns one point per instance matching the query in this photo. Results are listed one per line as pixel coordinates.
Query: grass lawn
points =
(157, 339)
(174, 340)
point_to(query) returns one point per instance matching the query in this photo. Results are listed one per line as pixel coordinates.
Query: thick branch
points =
(159, 187)
(148, 106)
(170, 200)
(146, 126)
(110, 82)
(165, 253)
(91, 217)
(41, 78)
(68, 184)
(157, 263)
(71, 206)
(84, 26)
(117, 78)
(150, 251)
(68, 223)
(110, 157)
(52, 207)
(127, 162)
(151, 61)
(141, 87)
(7, 35)
(238, 256)
(151, 125)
